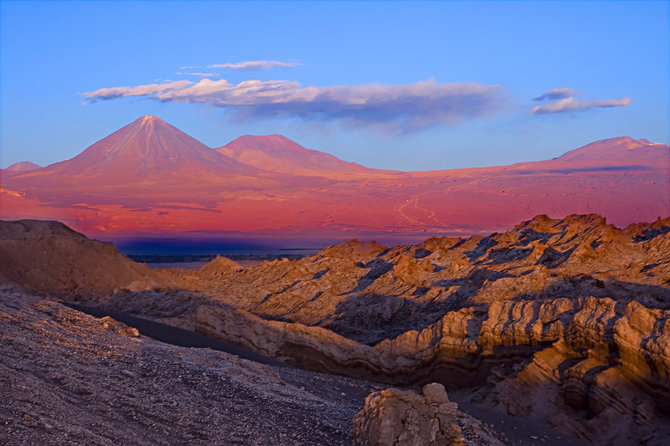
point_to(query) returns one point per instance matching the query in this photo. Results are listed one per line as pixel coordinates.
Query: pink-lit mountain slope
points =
(150, 177)
(146, 151)
(276, 153)
(625, 180)
(619, 151)
(22, 166)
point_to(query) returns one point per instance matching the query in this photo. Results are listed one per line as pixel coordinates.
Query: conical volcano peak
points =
(275, 138)
(623, 142)
(149, 121)
(22, 166)
(148, 148)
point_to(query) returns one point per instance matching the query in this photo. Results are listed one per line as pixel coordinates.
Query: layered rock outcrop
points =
(406, 418)
(565, 319)
(466, 345)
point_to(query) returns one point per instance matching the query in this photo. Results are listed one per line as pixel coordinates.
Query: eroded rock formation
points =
(406, 418)
(564, 320)
(369, 293)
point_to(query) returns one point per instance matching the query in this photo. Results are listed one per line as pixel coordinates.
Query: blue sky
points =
(400, 85)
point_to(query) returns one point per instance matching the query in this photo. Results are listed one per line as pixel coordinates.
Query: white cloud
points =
(142, 90)
(570, 104)
(255, 65)
(404, 106)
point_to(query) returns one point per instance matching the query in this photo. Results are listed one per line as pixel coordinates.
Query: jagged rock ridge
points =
(573, 307)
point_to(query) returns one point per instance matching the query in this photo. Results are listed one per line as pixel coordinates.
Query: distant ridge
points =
(277, 153)
(149, 177)
(621, 150)
(22, 166)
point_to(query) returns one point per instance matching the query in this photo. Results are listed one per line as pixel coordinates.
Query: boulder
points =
(394, 417)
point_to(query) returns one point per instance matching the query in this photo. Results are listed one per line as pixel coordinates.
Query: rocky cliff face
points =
(566, 319)
(368, 293)
(571, 362)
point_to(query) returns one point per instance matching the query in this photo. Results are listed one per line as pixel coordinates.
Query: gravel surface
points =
(70, 378)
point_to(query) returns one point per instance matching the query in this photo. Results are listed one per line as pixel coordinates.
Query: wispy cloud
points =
(186, 73)
(142, 90)
(556, 93)
(571, 104)
(564, 102)
(255, 65)
(405, 106)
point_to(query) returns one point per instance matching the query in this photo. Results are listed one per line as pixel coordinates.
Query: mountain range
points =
(150, 177)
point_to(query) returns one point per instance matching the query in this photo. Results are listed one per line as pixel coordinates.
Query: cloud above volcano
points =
(405, 106)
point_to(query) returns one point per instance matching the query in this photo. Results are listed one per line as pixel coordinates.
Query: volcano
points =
(148, 151)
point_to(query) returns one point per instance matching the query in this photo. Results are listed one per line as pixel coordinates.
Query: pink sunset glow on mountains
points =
(277, 153)
(147, 150)
(22, 166)
(150, 177)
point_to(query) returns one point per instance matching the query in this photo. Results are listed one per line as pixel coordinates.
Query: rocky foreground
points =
(563, 322)
(69, 378)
